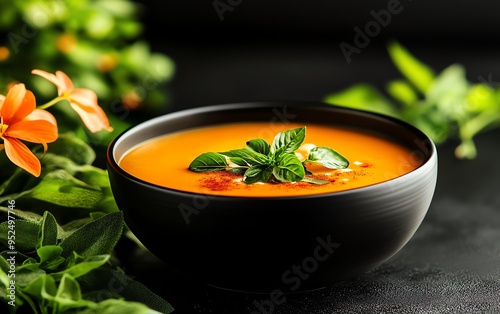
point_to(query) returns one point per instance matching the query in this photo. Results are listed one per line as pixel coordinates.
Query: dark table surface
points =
(451, 265)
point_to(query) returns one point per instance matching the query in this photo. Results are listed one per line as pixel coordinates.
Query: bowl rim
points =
(430, 160)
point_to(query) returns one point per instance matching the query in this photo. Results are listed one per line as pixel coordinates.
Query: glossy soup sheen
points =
(164, 160)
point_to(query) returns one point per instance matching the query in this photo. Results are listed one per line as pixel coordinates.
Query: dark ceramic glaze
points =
(287, 243)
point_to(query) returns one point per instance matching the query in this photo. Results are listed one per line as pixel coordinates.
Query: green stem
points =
(52, 102)
(478, 123)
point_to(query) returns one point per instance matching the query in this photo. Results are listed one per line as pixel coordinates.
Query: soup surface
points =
(164, 160)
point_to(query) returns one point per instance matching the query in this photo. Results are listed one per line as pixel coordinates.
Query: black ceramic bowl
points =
(286, 243)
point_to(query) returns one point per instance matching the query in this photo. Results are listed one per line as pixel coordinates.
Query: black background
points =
(290, 49)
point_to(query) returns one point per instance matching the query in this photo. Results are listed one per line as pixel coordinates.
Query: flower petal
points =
(66, 83)
(94, 118)
(39, 114)
(84, 97)
(2, 98)
(34, 131)
(18, 104)
(21, 156)
(51, 78)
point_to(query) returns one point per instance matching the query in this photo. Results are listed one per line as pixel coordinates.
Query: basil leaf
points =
(288, 141)
(314, 181)
(288, 168)
(239, 161)
(305, 169)
(208, 162)
(251, 157)
(260, 146)
(237, 170)
(257, 174)
(327, 157)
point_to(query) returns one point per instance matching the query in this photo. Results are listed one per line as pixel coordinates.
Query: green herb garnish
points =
(261, 162)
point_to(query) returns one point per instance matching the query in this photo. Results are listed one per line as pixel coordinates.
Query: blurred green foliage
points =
(65, 225)
(444, 105)
(95, 42)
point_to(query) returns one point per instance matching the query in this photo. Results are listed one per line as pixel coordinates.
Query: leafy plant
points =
(59, 221)
(443, 106)
(261, 162)
(64, 264)
(63, 269)
(97, 43)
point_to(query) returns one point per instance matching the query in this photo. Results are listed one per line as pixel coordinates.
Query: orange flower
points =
(19, 120)
(82, 100)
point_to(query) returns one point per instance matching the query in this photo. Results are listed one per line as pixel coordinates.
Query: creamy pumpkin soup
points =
(209, 160)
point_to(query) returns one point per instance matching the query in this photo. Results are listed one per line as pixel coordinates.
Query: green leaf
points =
(481, 97)
(362, 97)
(127, 288)
(402, 91)
(251, 157)
(25, 277)
(257, 174)
(419, 74)
(314, 181)
(239, 161)
(22, 214)
(448, 92)
(61, 188)
(52, 162)
(48, 230)
(78, 266)
(237, 170)
(49, 253)
(260, 146)
(26, 234)
(42, 288)
(208, 162)
(305, 169)
(95, 238)
(68, 294)
(70, 146)
(288, 141)
(288, 168)
(15, 182)
(113, 306)
(327, 157)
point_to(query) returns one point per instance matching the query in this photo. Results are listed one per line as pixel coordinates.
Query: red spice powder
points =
(219, 181)
(225, 181)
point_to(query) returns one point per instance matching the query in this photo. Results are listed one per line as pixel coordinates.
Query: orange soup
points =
(164, 160)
